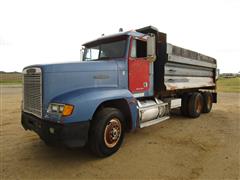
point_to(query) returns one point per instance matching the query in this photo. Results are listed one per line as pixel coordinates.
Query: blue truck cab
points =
(117, 87)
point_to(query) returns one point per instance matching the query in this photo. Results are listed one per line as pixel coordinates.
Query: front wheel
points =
(106, 132)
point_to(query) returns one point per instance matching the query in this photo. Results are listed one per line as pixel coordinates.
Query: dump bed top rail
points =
(185, 56)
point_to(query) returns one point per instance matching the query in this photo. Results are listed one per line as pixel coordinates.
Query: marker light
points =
(67, 111)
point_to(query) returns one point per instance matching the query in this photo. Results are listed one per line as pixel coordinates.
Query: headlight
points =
(63, 109)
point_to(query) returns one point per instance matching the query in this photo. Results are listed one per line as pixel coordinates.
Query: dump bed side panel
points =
(185, 69)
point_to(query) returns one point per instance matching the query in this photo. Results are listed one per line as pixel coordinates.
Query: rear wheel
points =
(195, 105)
(48, 143)
(107, 132)
(207, 102)
(184, 106)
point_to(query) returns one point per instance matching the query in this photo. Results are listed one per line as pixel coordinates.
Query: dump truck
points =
(125, 81)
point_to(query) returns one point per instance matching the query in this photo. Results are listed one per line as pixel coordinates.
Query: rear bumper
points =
(70, 135)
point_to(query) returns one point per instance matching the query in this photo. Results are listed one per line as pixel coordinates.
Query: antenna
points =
(120, 29)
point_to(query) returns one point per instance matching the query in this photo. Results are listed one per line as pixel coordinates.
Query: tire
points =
(207, 102)
(184, 106)
(48, 143)
(106, 132)
(195, 105)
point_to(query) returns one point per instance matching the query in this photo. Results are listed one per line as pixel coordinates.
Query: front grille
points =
(32, 91)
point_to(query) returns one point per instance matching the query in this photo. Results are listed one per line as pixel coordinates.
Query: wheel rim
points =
(209, 100)
(112, 132)
(198, 105)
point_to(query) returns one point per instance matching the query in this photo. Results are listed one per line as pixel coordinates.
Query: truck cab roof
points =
(138, 33)
(116, 35)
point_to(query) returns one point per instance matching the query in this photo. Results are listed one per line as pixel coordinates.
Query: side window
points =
(139, 49)
(92, 53)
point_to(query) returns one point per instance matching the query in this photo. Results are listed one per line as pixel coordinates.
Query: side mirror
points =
(151, 48)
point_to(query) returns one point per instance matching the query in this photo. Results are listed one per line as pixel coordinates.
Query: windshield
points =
(104, 51)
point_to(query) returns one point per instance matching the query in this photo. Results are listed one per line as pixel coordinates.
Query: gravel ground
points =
(180, 148)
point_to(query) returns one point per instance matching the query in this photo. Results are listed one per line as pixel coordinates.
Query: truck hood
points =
(62, 78)
(85, 66)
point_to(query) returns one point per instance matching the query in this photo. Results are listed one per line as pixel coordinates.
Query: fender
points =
(86, 101)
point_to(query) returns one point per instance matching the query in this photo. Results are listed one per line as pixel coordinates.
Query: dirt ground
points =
(180, 148)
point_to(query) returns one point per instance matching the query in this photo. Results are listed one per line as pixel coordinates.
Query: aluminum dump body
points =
(177, 68)
(186, 69)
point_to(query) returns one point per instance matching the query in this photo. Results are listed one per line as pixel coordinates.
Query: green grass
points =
(228, 84)
(11, 82)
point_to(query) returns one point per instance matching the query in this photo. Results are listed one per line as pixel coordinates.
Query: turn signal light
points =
(68, 109)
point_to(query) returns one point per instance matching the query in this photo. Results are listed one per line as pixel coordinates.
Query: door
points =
(138, 67)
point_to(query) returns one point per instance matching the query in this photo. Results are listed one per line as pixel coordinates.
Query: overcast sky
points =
(38, 32)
